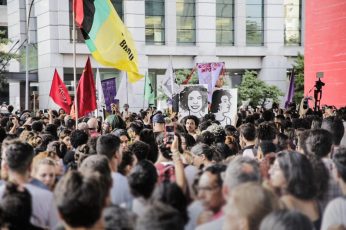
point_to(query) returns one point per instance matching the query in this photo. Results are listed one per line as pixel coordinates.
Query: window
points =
(292, 22)
(155, 22)
(3, 32)
(254, 22)
(224, 22)
(3, 2)
(118, 5)
(186, 22)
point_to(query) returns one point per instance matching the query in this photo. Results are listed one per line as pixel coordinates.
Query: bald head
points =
(92, 123)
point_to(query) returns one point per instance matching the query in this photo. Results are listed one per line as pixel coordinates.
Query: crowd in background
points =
(270, 169)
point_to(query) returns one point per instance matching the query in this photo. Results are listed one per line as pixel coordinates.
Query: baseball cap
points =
(159, 118)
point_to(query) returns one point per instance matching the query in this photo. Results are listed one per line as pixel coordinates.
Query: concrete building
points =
(262, 35)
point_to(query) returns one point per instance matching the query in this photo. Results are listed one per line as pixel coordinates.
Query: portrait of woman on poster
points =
(194, 100)
(221, 106)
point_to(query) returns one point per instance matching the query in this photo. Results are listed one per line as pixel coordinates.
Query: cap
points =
(158, 118)
(126, 106)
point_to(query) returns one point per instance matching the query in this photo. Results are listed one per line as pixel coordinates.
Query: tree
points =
(5, 57)
(299, 79)
(257, 90)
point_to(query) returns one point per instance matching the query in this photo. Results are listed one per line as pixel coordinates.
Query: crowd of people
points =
(271, 169)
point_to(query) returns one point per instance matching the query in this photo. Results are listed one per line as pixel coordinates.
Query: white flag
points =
(169, 86)
(101, 104)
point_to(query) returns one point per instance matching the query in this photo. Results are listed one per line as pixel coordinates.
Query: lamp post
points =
(27, 58)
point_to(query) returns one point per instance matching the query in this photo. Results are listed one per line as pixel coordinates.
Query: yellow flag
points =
(107, 38)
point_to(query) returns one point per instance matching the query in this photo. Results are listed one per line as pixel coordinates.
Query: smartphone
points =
(45, 111)
(169, 134)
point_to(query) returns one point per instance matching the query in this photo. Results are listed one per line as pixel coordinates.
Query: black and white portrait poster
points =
(193, 100)
(224, 105)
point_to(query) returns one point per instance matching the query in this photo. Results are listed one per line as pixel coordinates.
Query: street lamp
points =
(27, 59)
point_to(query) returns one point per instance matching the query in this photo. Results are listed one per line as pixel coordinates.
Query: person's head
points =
(248, 204)
(109, 146)
(193, 99)
(266, 131)
(221, 101)
(45, 172)
(201, 154)
(336, 127)
(140, 149)
(99, 164)
(118, 218)
(170, 193)
(37, 126)
(64, 136)
(318, 142)
(247, 132)
(78, 137)
(128, 161)
(286, 220)
(206, 137)
(142, 179)
(92, 123)
(134, 130)
(191, 123)
(292, 173)
(160, 216)
(240, 170)
(187, 141)
(18, 157)
(16, 206)
(58, 148)
(123, 136)
(266, 147)
(126, 107)
(147, 136)
(158, 123)
(80, 199)
(210, 188)
(339, 171)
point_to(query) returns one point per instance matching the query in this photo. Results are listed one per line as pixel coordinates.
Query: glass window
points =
(186, 22)
(292, 31)
(254, 22)
(3, 2)
(118, 5)
(224, 22)
(155, 22)
(3, 32)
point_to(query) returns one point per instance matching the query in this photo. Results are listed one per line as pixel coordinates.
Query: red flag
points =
(59, 93)
(86, 92)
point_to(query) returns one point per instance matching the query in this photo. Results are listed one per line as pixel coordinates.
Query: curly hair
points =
(184, 96)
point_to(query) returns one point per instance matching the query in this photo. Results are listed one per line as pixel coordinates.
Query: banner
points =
(193, 100)
(169, 87)
(224, 105)
(109, 92)
(209, 73)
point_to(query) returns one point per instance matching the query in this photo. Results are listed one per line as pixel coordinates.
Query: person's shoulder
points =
(337, 204)
(37, 191)
(214, 224)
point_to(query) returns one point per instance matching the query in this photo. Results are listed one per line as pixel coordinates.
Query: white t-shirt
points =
(44, 210)
(120, 191)
(335, 213)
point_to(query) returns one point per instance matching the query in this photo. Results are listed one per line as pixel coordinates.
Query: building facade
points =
(261, 35)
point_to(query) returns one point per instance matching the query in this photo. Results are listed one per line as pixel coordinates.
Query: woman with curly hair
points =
(194, 100)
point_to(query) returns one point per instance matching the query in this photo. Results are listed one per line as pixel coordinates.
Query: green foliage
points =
(299, 79)
(182, 74)
(257, 90)
(5, 57)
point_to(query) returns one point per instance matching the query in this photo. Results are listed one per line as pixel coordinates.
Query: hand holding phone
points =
(169, 134)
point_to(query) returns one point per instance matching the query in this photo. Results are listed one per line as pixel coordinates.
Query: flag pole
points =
(127, 91)
(74, 62)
